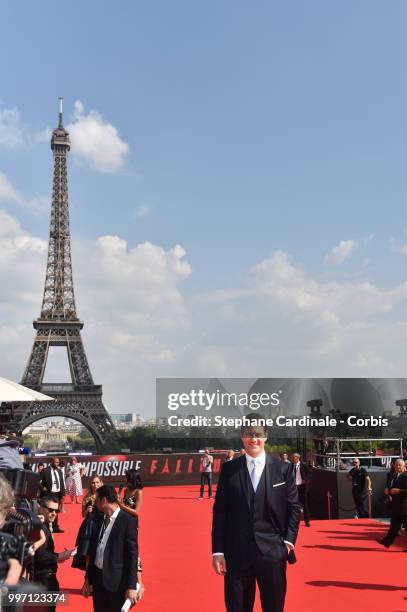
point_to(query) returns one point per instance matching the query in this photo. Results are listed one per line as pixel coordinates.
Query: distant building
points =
(126, 420)
(53, 434)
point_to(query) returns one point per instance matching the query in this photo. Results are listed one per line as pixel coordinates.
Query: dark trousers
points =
(395, 524)
(105, 601)
(206, 477)
(269, 571)
(303, 496)
(359, 497)
(50, 582)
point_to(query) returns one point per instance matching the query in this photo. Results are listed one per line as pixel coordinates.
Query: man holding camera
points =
(46, 559)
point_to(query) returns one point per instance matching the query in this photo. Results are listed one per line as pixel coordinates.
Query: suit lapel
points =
(245, 482)
(115, 527)
(270, 469)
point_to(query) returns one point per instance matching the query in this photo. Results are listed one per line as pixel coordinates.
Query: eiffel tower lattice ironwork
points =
(58, 324)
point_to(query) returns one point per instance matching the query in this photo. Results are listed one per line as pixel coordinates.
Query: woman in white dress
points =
(74, 480)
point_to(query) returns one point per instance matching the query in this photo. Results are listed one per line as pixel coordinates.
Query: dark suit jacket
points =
(120, 558)
(305, 472)
(399, 501)
(46, 481)
(389, 478)
(232, 518)
(45, 559)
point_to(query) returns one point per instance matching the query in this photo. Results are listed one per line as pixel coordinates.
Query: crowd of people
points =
(106, 547)
(276, 492)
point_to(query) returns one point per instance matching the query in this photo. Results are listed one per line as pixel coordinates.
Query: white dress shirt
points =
(255, 465)
(56, 481)
(103, 538)
(298, 478)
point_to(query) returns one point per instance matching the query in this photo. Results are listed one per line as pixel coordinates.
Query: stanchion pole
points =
(369, 502)
(328, 495)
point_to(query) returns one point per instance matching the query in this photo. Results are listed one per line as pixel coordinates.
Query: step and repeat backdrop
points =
(157, 469)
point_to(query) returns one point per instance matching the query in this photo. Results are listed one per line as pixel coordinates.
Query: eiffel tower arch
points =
(58, 324)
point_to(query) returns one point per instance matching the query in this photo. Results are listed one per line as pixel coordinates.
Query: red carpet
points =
(340, 565)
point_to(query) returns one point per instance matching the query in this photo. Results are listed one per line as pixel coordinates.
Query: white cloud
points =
(139, 285)
(343, 251)
(38, 204)
(284, 322)
(43, 136)
(397, 246)
(282, 280)
(368, 360)
(8, 193)
(145, 348)
(11, 130)
(95, 142)
(22, 265)
(143, 210)
(221, 296)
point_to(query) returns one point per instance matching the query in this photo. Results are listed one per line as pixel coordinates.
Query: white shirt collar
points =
(260, 459)
(115, 513)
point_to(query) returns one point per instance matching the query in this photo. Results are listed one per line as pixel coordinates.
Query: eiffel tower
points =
(58, 324)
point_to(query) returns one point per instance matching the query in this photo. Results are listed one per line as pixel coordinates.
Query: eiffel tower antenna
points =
(58, 324)
(61, 112)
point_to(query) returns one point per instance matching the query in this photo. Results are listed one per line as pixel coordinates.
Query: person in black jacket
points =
(397, 490)
(302, 473)
(111, 575)
(361, 487)
(52, 483)
(255, 524)
(45, 563)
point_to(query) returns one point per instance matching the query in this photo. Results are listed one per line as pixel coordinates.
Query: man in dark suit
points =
(111, 575)
(302, 474)
(397, 490)
(255, 524)
(46, 560)
(52, 483)
(361, 487)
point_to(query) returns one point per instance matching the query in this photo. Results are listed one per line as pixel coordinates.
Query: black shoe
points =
(308, 524)
(383, 543)
(58, 530)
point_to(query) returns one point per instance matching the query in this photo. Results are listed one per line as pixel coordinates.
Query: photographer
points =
(46, 559)
(13, 568)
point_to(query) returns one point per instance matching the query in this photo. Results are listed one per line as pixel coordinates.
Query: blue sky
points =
(260, 138)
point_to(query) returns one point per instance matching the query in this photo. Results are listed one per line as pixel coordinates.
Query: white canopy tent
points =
(13, 392)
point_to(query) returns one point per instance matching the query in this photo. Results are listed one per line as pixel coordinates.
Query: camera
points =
(21, 526)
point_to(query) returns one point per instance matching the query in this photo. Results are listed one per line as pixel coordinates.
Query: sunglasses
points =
(50, 509)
